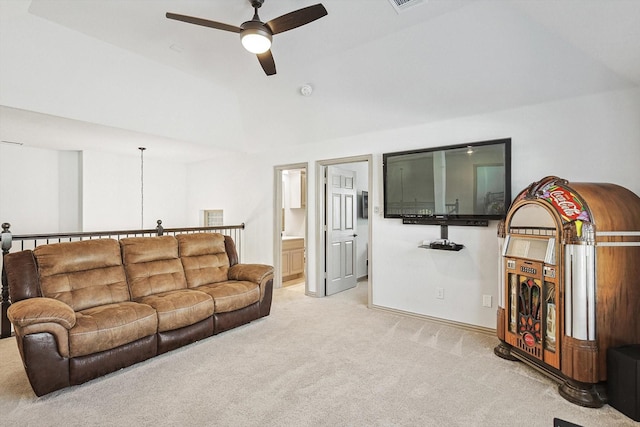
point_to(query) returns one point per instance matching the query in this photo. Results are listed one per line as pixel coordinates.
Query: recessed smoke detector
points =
(403, 5)
(306, 90)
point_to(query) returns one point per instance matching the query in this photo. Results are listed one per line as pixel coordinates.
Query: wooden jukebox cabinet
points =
(570, 282)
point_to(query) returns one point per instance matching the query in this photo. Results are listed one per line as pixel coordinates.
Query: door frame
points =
(277, 225)
(321, 166)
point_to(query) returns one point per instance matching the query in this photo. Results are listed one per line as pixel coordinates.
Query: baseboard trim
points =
(459, 325)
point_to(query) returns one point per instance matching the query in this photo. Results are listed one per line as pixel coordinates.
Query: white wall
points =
(48, 191)
(594, 138)
(112, 190)
(70, 191)
(29, 189)
(243, 186)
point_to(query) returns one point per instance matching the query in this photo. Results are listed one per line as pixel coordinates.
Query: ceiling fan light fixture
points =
(255, 37)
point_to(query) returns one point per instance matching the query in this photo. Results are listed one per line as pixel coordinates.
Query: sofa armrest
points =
(36, 315)
(41, 310)
(256, 273)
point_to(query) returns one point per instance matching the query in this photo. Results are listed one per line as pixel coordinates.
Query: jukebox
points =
(570, 282)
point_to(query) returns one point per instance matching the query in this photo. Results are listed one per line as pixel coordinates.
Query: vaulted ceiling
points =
(115, 74)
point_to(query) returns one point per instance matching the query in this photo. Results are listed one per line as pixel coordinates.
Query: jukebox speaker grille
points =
(534, 351)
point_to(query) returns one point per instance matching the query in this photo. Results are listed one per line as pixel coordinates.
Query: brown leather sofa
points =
(83, 309)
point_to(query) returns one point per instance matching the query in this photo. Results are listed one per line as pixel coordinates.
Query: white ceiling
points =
(371, 68)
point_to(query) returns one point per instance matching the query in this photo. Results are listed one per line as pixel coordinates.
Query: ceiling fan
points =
(255, 34)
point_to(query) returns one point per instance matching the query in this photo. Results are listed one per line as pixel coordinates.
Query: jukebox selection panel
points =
(533, 299)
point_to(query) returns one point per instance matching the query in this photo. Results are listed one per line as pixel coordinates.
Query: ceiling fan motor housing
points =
(256, 26)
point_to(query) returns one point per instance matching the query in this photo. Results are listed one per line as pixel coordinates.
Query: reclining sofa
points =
(83, 309)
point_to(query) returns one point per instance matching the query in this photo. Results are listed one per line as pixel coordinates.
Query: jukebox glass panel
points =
(530, 248)
(550, 318)
(513, 302)
(529, 303)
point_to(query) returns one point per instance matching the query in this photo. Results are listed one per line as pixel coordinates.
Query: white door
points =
(341, 234)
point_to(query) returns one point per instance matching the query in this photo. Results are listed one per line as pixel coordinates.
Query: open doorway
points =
(325, 260)
(290, 225)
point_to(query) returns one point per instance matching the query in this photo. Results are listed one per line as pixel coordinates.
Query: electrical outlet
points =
(440, 293)
(486, 300)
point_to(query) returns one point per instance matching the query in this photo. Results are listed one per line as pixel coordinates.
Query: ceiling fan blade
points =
(296, 18)
(267, 63)
(204, 22)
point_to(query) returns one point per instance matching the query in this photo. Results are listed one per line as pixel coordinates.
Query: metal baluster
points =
(5, 326)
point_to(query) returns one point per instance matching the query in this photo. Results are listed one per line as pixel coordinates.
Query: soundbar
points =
(446, 221)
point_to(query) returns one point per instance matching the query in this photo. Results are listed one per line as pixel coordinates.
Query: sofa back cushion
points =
(152, 265)
(82, 274)
(204, 258)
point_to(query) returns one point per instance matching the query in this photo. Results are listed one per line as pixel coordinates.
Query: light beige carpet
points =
(312, 362)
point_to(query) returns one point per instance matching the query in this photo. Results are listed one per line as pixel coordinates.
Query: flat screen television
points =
(465, 184)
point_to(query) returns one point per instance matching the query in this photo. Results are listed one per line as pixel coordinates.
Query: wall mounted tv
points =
(466, 184)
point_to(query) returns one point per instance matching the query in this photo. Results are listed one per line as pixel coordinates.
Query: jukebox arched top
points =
(605, 207)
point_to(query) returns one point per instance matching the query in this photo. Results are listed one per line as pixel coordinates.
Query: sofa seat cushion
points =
(179, 308)
(232, 295)
(109, 326)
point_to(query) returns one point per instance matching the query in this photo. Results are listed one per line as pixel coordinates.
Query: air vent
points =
(213, 217)
(403, 5)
